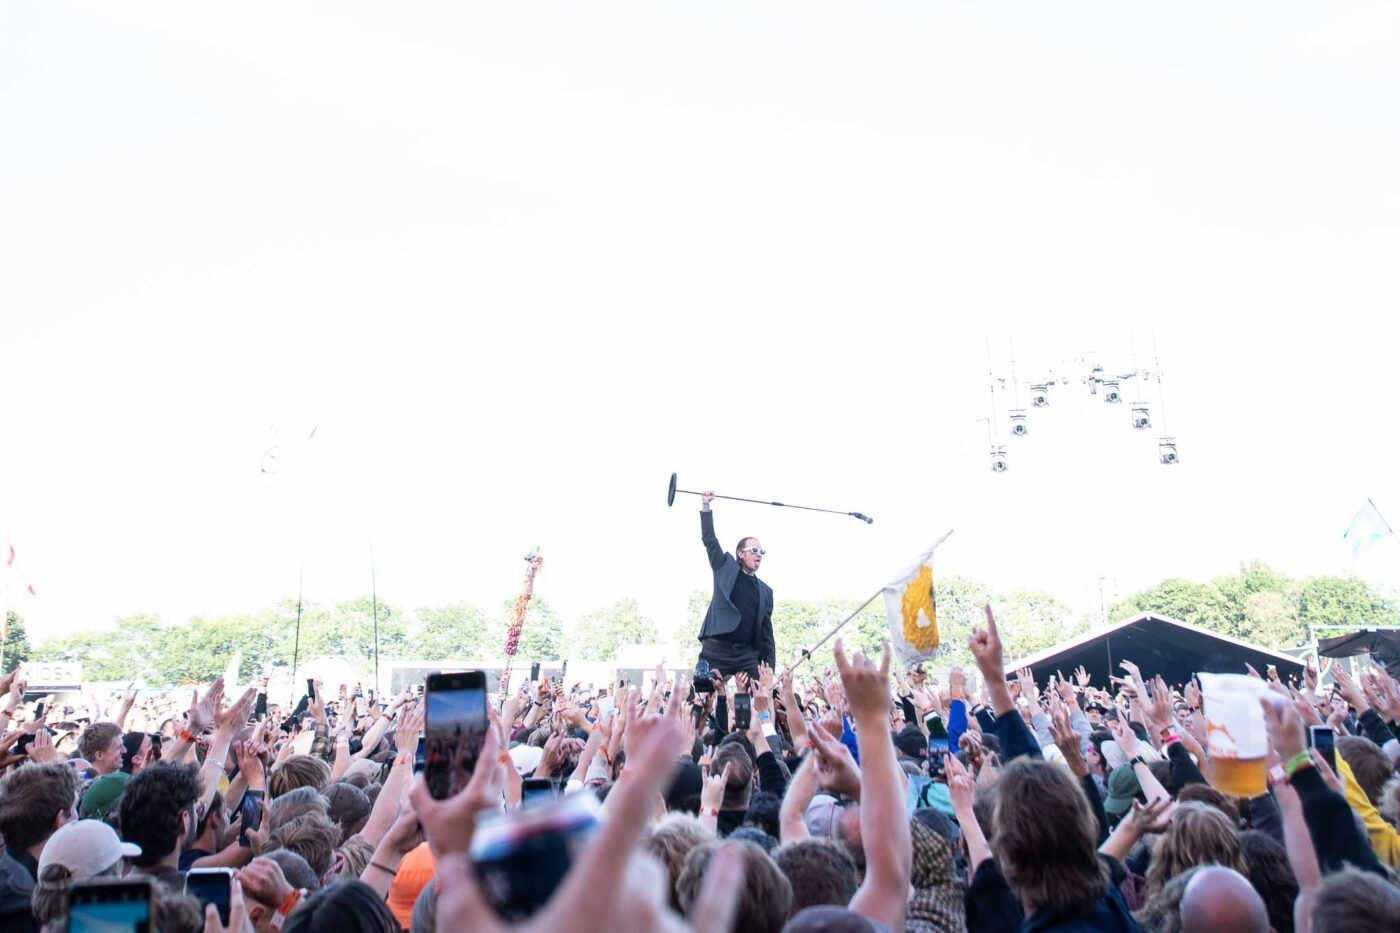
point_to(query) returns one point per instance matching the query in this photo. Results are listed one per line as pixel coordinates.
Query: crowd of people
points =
(858, 798)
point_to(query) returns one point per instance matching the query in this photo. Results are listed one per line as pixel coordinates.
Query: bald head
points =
(1218, 898)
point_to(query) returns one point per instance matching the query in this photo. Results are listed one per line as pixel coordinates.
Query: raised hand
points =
(985, 645)
(1350, 692)
(1152, 817)
(957, 684)
(1028, 688)
(961, 791)
(202, 711)
(712, 793)
(1081, 675)
(1284, 727)
(41, 750)
(765, 679)
(836, 770)
(1067, 740)
(1309, 674)
(866, 684)
(236, 716)
(1124, 736)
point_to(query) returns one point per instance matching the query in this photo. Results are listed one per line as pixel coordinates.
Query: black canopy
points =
(1382, 644)
(1158, 645)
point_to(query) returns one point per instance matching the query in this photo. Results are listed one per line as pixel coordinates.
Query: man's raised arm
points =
(707, 532)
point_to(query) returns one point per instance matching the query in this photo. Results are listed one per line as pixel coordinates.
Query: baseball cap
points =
(1123, 788)
(86, 848)
(102, 793)
(526, 758)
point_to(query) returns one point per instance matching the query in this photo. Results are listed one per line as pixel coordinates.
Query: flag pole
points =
(807, 653)
(1381, 517)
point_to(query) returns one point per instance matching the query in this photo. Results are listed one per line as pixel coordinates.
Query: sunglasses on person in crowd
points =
(753, 550)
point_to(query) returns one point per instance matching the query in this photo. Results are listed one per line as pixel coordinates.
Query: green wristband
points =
(1298, 761)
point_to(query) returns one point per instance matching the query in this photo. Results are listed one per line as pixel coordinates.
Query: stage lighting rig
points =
(1010, 409)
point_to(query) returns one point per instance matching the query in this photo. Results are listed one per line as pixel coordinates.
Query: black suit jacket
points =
(723, 617)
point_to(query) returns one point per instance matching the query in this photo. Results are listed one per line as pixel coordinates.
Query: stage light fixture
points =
(1111, 395)
(1166, 451)
(999, 460)
(1141, 419)
(1019, 427)
(1040, 395)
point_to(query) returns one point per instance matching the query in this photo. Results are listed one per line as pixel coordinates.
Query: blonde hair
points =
(299, 771)
(1046, 838)
(671, 840)
(1199, 835)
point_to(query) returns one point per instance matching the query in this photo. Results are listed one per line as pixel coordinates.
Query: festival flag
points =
(1366, 528)
(909, 604)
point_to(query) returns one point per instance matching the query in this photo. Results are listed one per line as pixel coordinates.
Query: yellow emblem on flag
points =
(922, 633)
(909, 605)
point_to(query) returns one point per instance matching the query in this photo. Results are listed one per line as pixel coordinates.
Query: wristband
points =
(404, 759)
(709, 811)
(287, 906)
(384, 868)
(1298, 762)
(186, 736)
(764, 716)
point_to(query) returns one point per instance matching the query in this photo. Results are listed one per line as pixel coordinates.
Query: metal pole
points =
(296, 639)
(861, 608)
(374, 602)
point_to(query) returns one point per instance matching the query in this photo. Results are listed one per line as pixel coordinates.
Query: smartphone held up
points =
(454, 728)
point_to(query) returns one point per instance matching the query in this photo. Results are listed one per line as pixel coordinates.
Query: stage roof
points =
(1158, 645)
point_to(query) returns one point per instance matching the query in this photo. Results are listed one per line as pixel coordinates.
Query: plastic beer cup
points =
(1237, 740)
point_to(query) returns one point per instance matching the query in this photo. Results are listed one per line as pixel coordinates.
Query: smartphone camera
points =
(1324, 739)
(743, 711)
(454, 729)
(122, 906)
(211, 886)
(537, 791)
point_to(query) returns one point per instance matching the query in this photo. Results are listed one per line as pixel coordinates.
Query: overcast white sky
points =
(521, 261)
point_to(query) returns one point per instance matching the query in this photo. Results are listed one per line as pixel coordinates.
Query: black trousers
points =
(728, 657)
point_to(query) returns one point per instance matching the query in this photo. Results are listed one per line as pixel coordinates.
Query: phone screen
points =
(535, 791)
(418, 756)
(110, 907)
(251, 811)
(454, 728)
(743, 707)
(210, 885)
(1324, 739)
(310, 687)
(937, 757)
(534, 672)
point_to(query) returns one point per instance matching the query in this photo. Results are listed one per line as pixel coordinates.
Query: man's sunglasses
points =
(753, 550)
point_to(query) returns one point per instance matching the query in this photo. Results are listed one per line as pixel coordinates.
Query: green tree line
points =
(1257, 604)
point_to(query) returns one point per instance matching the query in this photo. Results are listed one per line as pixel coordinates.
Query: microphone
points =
(865, 518)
